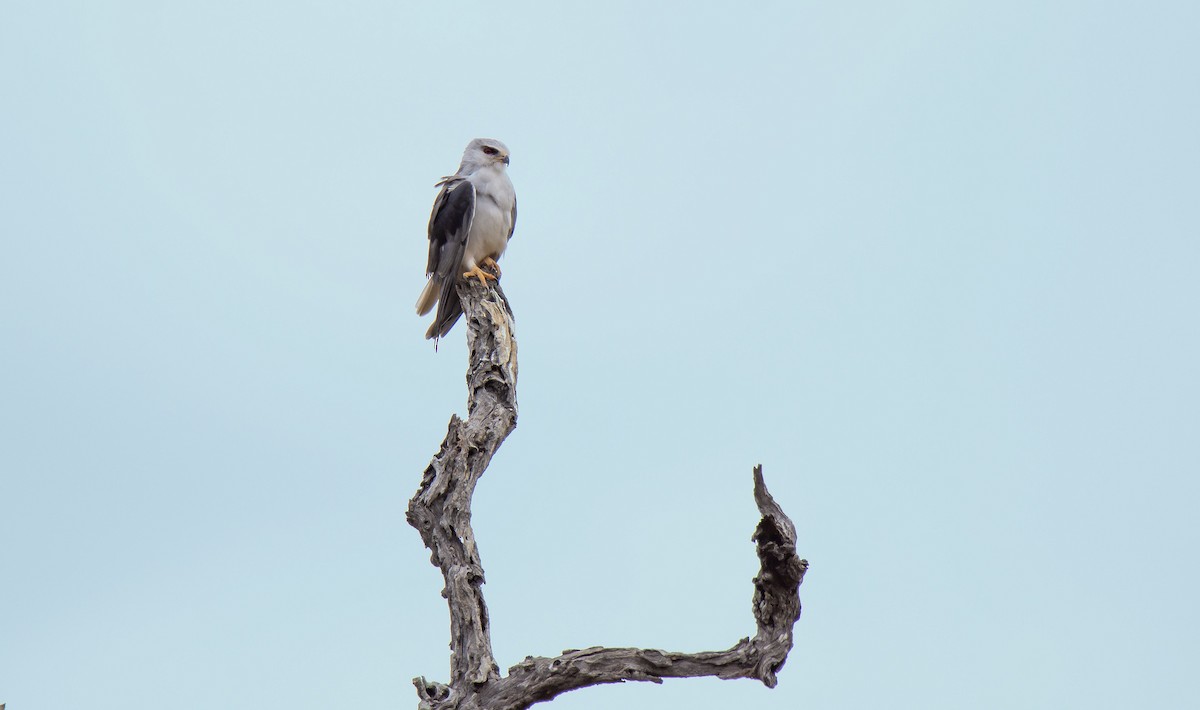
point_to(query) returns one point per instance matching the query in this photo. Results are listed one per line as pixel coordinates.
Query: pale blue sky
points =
(933, 264)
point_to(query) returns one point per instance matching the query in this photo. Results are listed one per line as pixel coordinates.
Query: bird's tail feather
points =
(429, 296)
(448, 312)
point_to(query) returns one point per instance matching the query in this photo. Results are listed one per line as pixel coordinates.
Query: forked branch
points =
(441, 512)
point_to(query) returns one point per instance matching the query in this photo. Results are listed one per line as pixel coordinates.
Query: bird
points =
(473, 218)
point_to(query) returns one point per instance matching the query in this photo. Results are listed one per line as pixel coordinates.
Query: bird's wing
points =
(449, 225)
(513, 228)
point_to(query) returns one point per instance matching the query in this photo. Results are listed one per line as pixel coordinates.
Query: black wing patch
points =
(449, 224)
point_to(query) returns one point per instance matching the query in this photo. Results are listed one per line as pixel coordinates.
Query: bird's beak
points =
(506, 160)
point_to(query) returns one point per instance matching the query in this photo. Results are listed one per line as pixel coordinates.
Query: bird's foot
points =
(491, 264)
(480, 274)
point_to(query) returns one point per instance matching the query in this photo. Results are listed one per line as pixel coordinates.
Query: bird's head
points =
(483, 152)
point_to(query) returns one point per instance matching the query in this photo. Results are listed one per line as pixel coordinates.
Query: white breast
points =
(494, 198)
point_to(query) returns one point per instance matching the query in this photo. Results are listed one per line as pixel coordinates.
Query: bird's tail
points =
(429, 296)
(448, 312)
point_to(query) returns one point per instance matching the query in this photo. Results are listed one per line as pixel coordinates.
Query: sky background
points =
(933, 264)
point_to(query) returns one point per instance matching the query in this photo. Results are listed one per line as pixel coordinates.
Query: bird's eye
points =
(487, 149)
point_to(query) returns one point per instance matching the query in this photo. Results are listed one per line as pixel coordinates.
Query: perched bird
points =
(473, 219)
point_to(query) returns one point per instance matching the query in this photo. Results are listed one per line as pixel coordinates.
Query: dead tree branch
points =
(441, 508)
(441, 512)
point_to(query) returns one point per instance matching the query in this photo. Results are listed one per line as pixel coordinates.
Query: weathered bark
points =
(441, 512)
(441, 508)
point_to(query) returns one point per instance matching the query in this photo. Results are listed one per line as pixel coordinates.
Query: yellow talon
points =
(480, 274)
(491, 264)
